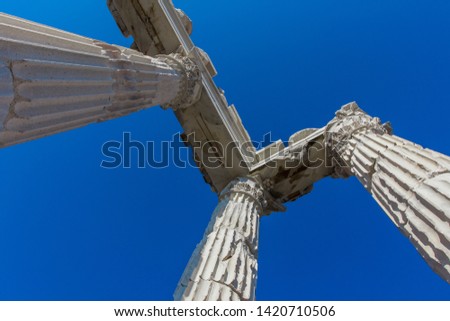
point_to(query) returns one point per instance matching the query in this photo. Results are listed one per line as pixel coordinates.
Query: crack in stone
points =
(226, 285)
(16, 96)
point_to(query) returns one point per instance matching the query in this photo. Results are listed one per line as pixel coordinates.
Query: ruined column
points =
(410, 183)
(224, 265)
(52, 81)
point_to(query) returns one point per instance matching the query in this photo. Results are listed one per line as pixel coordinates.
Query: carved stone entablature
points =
(191, 86)
(349, 120)
(187, 22)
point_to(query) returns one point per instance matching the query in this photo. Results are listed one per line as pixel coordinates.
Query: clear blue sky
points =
(71, 230)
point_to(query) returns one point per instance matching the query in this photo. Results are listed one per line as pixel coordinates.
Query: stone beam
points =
(52, 81)
(290, 170)
(410, 183)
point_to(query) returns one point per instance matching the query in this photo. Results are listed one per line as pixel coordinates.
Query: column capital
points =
(191, 85)
(349, 120)
(248, 186)
(254, 188)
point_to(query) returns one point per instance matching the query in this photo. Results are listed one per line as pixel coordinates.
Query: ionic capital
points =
(249, 187)
(191, 84)
(349, 120)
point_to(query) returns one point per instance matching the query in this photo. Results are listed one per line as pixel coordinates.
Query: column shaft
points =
(410, 183)
(52, 81)
(224, 264)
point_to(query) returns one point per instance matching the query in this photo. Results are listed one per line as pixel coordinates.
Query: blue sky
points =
(71, 230)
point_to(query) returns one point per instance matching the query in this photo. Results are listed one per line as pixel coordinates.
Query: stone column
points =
(224, 265)
(52, 81)
(410, 183)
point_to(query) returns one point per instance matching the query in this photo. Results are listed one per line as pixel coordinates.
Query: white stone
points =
(410, 183)
(224, 265)
(51, 81)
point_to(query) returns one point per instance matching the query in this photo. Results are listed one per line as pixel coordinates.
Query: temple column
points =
(410, 183)
(224, 265)
(52, 81)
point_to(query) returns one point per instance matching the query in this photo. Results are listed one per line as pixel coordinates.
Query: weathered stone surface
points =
(6, 91)
(410, 183)
(51, 81)
(291, 170)
(224, 265)
(191, 86)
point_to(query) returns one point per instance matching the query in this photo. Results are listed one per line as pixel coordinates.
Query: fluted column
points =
(52, 81)
(410, 183)
(224, 265)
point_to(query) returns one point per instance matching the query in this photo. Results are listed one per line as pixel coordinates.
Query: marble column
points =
(224, 265)
(410, 183)
(52, 81)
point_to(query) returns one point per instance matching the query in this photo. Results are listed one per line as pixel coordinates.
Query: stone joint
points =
(191, 84)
